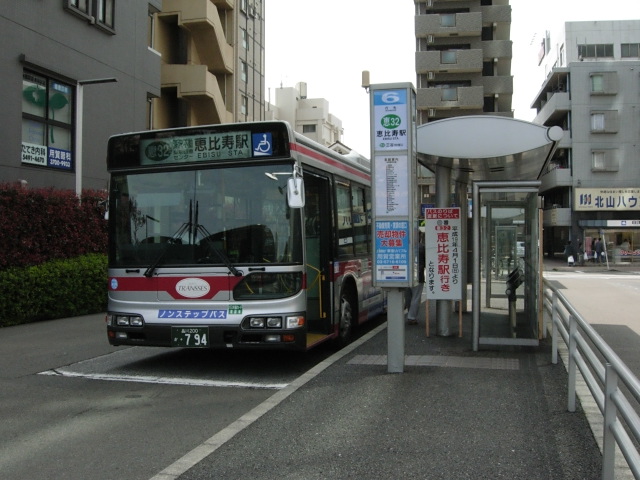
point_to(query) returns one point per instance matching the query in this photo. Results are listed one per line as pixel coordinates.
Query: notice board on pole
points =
(443, 252)
(393, 171)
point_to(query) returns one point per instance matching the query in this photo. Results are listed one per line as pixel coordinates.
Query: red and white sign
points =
(443, 252)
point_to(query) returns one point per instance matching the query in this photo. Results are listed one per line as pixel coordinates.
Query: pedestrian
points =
(599, 250)
(570, 254)
(580, 253)
(415, 293)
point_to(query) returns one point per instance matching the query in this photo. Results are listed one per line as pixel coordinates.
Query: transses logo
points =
(158, 151)
(192, 287)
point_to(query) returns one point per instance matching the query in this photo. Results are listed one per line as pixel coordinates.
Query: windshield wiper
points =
(193, 229)
(174, 240)
(221, 255)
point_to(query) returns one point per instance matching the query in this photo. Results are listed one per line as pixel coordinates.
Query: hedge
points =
(38, 225)
(53, 261)
(55, 289)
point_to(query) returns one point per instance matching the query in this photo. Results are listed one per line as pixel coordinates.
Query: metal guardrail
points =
(603, 372)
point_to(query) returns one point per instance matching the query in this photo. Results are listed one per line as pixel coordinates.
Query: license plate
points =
(195, 337)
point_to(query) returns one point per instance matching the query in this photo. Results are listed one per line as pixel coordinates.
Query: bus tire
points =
(346, 322)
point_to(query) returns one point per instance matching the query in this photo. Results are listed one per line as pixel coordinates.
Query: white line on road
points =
(197, 382)
(209, 446)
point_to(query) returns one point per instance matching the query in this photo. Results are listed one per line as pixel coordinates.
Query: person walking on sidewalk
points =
(580, 253)
(570, 254)
(599, 250)
(415, 293)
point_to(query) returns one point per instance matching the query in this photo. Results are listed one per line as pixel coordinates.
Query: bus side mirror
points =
(295, 192)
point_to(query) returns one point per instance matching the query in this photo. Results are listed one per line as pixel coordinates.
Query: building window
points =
(449, 94)
(47, 121)
(80, 5)
(603, 161)
(151, 27)
(104, 12)
(604, 83)
(448, 20)
(597, 83)
(243, 71)
(599, 50)
(604, 121)
(449, 57)
(309, 128)
(245, 42)
(97, 12)
(244, 107)
(630, 50)
(597, 122)
(150, 111)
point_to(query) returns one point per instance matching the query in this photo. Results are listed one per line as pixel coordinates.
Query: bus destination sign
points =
(204, 147)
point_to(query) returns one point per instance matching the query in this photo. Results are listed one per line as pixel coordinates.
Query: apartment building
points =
(308, 116)
(591, 89)
(212, 62)
(59, 60)
(463, 63)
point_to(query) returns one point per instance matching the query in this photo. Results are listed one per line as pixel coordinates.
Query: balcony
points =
(467, 98)
(498, 85)
(496, 14)
(465, 25)
(554, 178)
(199, 87)
(498, 49)
(556, 217)
(462, 61)
(556, 106)
(201, 18)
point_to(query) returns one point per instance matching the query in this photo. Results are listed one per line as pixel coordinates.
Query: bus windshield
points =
(214, 216)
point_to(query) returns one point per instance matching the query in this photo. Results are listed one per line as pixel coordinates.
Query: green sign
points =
(194, 148)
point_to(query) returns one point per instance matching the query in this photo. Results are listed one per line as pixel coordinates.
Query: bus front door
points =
(317, 213)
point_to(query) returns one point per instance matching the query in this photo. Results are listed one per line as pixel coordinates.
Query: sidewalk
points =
(452, 414)
(560, 265)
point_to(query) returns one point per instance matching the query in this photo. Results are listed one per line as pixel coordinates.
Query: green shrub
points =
(53, 247)
(55, 289)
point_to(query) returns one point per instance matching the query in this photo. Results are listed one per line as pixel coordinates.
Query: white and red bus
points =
(237, 236)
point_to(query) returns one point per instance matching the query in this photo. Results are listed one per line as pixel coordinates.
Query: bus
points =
(237, 236)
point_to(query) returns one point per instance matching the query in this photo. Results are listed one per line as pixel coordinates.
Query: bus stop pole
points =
(395, 330)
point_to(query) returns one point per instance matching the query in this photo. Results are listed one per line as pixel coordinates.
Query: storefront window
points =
(47, 122)
(621, 245)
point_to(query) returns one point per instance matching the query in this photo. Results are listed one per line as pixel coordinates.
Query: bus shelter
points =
(501, 160)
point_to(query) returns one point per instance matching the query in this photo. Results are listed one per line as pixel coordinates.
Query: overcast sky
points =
(328, 44)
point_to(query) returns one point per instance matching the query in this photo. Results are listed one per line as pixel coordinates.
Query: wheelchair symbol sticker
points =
(262, 145)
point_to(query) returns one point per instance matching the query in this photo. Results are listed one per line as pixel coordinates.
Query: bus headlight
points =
(265, 322)
(256, 322)
(274, 322)
(293, 321)
(120, 320)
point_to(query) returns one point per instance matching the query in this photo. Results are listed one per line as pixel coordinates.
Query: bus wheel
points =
(345, 327)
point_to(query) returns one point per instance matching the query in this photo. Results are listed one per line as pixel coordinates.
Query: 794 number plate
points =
(195, 337)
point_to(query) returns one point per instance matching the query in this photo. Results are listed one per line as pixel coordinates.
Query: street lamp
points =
(78, 142)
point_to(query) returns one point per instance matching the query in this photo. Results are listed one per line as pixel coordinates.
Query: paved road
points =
(610, 301)
(449, 417)
(73, 407)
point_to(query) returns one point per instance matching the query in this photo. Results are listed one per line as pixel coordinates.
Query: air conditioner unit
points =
(431, 75)
(429, 38)
(431, 112)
